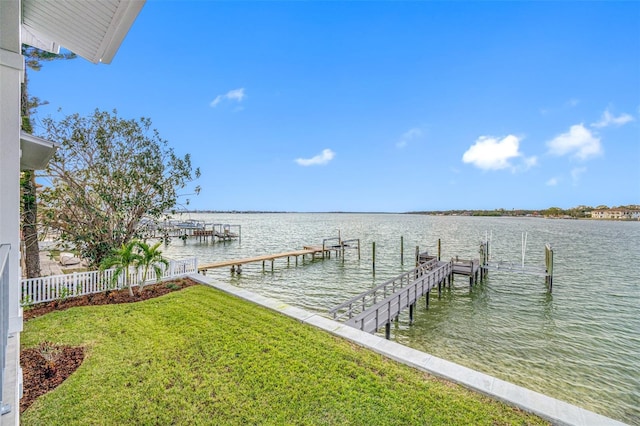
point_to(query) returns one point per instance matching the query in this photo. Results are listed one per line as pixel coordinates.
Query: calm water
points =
(581, 344)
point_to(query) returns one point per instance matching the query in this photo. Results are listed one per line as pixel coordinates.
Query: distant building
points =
(616, 214)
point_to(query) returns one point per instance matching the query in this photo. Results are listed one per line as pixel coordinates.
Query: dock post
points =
(296, 260)
(548, 260)
(427, 298)
(358, 248)
(272, 261)
(402, 250)
(438, 249)
(411, 309)
(263, 266)
(417, 256)
(374, 257)
(387, 330)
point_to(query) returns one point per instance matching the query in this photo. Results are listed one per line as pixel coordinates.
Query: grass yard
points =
(200, 357)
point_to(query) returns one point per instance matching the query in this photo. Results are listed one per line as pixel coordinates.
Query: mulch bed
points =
(40, 376)
(108, 297)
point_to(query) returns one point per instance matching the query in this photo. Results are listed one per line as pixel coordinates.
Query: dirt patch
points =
(47, 366)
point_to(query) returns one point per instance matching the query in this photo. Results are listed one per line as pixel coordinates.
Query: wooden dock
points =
(468, 267)
(322, 251)
(184, 230)
(236, 264)
(378, 307)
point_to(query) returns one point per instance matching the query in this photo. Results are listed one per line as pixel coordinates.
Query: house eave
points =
(93, 30)
(35, 152)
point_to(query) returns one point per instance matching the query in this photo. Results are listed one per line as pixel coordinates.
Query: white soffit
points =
(90, 28)
(35, 152)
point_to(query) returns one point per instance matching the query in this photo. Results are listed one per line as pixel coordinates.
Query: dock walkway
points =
(468, 267)
(314, 251)
(376, 308)
(236, 263)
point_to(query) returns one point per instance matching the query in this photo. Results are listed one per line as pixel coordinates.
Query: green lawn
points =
(200, 357)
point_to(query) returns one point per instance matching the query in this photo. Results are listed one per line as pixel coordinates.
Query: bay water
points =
(580, 344)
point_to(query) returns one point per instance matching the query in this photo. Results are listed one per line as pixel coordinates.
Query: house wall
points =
(11, 72)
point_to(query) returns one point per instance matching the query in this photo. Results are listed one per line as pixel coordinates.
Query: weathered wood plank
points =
(246, 260)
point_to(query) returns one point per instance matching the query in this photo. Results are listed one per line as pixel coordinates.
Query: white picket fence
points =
(55, 287)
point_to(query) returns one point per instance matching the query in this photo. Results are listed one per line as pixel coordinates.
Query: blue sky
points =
(380, 106)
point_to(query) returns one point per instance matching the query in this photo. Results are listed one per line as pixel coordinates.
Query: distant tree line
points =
(574, 212)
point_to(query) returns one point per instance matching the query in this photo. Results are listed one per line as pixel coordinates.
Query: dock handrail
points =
(345, 243)
(324, 242)
(383, 312)
(387, 288)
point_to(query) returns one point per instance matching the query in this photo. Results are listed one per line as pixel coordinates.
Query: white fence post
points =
(46, 289)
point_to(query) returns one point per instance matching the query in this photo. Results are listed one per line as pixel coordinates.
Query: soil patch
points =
(47, 366)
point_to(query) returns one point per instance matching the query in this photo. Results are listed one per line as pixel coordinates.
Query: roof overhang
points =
(91, 29)
(35, 152)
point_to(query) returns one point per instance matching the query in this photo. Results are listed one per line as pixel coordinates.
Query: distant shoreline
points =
(552, 213)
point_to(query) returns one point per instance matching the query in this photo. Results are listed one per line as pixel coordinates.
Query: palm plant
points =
(150, 257)
(122, 260)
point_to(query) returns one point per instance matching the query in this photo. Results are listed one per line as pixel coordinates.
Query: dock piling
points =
(548, 261)
(374, 257)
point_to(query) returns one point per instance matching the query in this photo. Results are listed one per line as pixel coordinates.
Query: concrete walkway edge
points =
(556, 411)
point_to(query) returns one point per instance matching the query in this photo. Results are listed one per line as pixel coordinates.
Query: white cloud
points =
(609, 120)
(408, 136)
(530, 162)
(489, 153)
(319, 160)
(576, 173)
(552, 182)
(237, 95)
(578, 141)
(572, 102)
